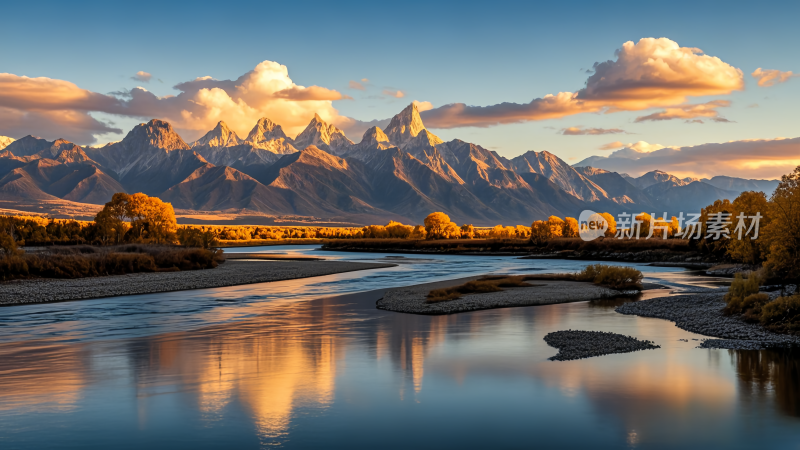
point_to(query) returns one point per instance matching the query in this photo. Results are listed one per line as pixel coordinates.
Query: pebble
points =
(231, 273)
(575, 344)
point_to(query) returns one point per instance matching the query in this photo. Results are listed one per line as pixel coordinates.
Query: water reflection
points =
(272, 368)
(770, 374)
(323, 371)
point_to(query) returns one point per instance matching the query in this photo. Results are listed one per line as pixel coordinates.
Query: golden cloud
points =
(756, 158)
(53, 107)
(688, 112)
(423, 106)
(651, 73)
(142, 76)
(772, 77)
(612, 145)
(581, 131)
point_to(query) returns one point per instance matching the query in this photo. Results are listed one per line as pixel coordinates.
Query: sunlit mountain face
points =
(401, 173)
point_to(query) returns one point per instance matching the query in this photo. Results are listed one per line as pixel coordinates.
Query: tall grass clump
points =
(743, 288)
(782, 315)
(480, 286)
(614, 277)
(88, 261)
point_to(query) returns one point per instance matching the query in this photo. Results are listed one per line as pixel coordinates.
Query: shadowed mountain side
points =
(151, 158)
(553, 199)
(28, 146)
(325, 178)
(86, 184)
(689, 198)
(83, 183)
(212, 188)
(244, 157)
(405, 185)
(741, 185)
(559, 172)
(620, 190)
(19, 185)
(9, 162)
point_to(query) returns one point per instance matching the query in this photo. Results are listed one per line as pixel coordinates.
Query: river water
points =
(311, 363)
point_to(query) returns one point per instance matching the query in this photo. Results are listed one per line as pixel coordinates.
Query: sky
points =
(692, 88)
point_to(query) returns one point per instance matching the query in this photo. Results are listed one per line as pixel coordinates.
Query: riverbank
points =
(232, 273)
(412, 299)
(701, 313)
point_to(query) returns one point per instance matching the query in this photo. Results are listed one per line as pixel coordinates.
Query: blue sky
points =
(475, 53)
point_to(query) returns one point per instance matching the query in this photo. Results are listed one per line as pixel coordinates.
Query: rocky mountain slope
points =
(401, 173)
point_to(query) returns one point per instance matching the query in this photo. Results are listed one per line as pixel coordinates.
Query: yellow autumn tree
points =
(556, 226)
(747, 249)
(436, 225)
(150, 219)
(540, 232)
(782, 235)
(612, 224)
(571, 228)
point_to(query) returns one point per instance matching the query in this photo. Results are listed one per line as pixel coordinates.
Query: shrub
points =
(782, 315)
(741, 288)
(752, 306)
(483, 285)
(87, 261)
(614, 277)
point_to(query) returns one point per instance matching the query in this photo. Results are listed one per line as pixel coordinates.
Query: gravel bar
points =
(231, 273)
(574, 344)
(412, 299)
(701, 313)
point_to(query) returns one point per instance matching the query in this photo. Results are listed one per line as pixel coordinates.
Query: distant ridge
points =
(402, 172)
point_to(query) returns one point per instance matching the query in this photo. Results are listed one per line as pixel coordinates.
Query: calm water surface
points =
(312, 363)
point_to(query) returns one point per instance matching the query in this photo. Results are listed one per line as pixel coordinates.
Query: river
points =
(311, 363)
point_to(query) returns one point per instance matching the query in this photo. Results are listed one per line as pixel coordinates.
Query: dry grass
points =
(782, 315)
(480, 286)
(87, 261)
(614, 277)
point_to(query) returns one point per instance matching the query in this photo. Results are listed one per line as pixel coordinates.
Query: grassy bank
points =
(89, 261)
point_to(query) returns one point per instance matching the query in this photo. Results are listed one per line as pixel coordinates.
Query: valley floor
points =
(231, 273)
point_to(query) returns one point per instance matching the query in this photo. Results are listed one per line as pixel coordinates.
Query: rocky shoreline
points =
(574, 344)
(231, 273)
(701, 313)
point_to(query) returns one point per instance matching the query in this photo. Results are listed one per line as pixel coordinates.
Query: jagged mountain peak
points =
(265, 130)
(155, 134)
(323, 135)
(5, 141)
(374, 135)
(220, 136)
(405, 126)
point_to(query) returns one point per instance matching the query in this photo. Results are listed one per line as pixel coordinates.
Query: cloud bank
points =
(756, 158)
(57, 108)
(648, 74)
(689, 112)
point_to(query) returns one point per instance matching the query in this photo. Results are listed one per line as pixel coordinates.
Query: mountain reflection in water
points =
(336, 372)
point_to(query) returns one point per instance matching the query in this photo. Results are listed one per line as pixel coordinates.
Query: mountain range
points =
(403, 172)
